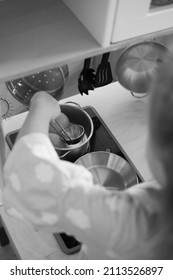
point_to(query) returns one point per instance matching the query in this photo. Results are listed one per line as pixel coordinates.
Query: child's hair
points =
(161, 137)
(161, 115)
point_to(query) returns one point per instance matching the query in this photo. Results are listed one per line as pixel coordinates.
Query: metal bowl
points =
(137, 65)
(109, 170)
(77, 116)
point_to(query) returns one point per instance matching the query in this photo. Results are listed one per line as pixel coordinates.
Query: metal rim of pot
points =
(139, 56)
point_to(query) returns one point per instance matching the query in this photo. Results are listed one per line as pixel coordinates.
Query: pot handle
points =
(74, 103)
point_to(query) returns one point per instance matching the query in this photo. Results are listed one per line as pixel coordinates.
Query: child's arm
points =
(61, 196)
(43, 109)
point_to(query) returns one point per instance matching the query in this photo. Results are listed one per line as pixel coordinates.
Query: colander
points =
(52, 81)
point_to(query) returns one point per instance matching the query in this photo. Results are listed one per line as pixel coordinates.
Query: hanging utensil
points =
(86, 78)
(103, 73)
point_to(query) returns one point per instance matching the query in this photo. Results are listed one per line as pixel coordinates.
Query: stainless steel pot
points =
(109, 170)
(76, 115)
(137, 65)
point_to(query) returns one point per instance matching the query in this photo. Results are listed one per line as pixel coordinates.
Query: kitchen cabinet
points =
(116, 21)
(37, 35)
(135, 18)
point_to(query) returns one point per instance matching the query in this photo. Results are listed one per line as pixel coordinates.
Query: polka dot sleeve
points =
(56, 194)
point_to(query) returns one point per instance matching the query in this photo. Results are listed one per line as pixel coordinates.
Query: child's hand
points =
(43, 109)
(46, 105)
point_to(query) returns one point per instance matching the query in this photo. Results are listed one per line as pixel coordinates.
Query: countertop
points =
(127, 119)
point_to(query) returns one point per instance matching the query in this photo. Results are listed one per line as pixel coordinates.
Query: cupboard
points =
(37, 35)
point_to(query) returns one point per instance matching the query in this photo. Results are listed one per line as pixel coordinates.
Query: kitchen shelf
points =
(38, 35)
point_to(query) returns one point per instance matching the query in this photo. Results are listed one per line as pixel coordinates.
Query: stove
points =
(101, 140)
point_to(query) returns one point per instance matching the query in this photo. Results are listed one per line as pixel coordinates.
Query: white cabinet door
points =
(97, 16)
(135, 18)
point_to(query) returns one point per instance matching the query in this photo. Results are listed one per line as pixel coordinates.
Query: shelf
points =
(38, 34)
(41, 34)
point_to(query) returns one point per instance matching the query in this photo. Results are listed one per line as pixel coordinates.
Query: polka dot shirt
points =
(61, 196)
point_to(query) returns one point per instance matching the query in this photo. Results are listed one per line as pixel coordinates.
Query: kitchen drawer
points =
(138, 17)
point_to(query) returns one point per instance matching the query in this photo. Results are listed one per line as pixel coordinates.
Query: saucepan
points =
(109, 170)
(137, 65)
(77, 116)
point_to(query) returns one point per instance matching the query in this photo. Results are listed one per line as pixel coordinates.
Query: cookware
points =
(52, 81)
(137, 65)
(86, 78)
(109, 170)
(78, 116)
(72, 134)
(103, 73)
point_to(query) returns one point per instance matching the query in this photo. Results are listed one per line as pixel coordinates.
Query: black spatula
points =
(104, 73)
(86, 78)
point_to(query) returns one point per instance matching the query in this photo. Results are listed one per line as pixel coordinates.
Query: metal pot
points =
(109, 170)
(137, 65)
(76, 115)
(52, 81)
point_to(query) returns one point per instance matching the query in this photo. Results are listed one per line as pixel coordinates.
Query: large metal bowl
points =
(137, 65)
(109, 170)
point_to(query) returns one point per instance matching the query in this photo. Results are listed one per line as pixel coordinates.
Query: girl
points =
(61, 197)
